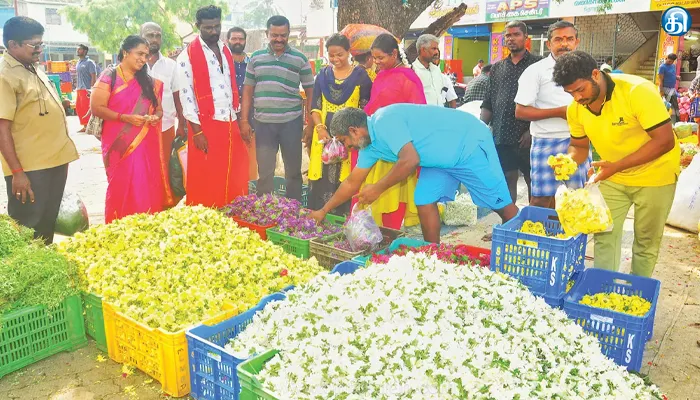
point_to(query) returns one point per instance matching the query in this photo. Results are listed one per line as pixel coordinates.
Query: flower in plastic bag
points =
(583, 210)
(361, 231)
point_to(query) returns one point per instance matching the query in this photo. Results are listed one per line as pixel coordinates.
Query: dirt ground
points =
(672, 357)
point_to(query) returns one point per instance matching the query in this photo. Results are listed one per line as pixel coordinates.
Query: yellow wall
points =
(498, 27)
(470, 53)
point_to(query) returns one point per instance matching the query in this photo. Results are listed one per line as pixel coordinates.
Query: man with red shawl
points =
(217, 159)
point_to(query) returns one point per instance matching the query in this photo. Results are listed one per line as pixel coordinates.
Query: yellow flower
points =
(632, 305)
(563, 165)
(578, 213)
(181, 267)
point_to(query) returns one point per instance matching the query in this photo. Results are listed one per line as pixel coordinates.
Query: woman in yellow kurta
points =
(338, 86)
(395, 83)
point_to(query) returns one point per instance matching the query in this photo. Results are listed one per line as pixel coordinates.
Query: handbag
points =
(94, 126)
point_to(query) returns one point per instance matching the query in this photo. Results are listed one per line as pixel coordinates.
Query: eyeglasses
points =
(35, 46)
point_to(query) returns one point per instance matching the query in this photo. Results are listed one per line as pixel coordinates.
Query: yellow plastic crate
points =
(160, 354)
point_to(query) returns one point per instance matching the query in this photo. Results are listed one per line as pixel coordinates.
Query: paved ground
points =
(672, 357)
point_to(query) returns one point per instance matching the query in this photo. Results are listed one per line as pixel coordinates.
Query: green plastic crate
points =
(296, 246)
(94, 320)
(251, 388)
(31, 334)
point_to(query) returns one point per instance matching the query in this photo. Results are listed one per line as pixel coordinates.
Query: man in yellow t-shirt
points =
(626, 121)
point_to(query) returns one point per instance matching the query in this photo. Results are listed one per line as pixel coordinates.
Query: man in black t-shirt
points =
(512, 136)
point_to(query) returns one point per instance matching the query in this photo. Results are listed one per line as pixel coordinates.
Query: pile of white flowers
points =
(418, 328)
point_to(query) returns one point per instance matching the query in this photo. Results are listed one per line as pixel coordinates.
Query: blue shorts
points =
(542, 175)
(481, 173)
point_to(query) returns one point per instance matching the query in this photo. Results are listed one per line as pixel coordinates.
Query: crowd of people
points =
(408, 147)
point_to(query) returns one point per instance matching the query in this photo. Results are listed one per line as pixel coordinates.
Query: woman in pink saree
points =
(395, 83)
(128, 101)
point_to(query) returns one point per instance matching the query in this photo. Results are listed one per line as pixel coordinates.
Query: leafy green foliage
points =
(36, 275)
(107, 23)
(12, 236)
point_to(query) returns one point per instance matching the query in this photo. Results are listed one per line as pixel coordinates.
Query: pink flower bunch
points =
(455, 254)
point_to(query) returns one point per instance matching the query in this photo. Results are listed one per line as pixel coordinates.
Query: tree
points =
(438, 27)
(257, 14)
(396, 16)
(107, 23)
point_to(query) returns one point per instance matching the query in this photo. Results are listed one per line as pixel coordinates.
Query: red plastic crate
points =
(260, 229)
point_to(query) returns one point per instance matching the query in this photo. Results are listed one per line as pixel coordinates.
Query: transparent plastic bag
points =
(361, 231)
(461, 212)
(583, 210)
(333, 152)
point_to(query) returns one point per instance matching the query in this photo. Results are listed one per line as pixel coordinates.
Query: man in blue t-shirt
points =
(667, 83)
(449, 145)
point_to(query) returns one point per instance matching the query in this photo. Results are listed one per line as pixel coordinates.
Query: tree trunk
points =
(437, 28)
(391, 15)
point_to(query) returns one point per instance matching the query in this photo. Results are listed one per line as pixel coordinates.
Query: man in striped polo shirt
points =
(272, 81)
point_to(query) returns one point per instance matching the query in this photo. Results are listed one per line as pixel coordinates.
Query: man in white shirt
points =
(607, 65)
(544, 103)
(477, 68)
(450, 95)
(165, 70)
(217, 154)
(431, 76)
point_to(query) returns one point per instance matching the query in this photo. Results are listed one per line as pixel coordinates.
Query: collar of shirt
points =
(13, 62)
(158, 61)
(526, 57)
(608, 93)
(287, 49)
(219, 43)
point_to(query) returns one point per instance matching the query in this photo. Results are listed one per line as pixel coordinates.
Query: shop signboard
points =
(577, 8)
(447, 53)
(473, 15)
(508, 10)
(664, 4)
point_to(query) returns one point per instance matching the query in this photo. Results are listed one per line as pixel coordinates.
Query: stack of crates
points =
(543, 264)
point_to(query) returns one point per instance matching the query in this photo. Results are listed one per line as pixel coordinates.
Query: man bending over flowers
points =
(450, 147)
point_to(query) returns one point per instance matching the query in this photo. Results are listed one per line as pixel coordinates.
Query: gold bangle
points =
(197, 134)
(322, 126)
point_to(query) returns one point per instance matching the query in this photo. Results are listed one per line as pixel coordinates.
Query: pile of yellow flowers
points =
(563, 165)
(537, 228)
(632, 305)
(180, 267)
(580, 212)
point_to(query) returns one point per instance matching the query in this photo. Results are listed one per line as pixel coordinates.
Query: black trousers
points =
(269, 139)
(48, 186)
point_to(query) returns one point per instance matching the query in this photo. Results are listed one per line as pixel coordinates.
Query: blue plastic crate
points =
(694, 108)
(280, 189)
(347, 267)
(213, 369)
(543, 264)
(410, 242)
(621, 336)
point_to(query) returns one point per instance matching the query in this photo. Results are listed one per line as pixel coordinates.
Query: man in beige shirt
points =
(35, 147)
